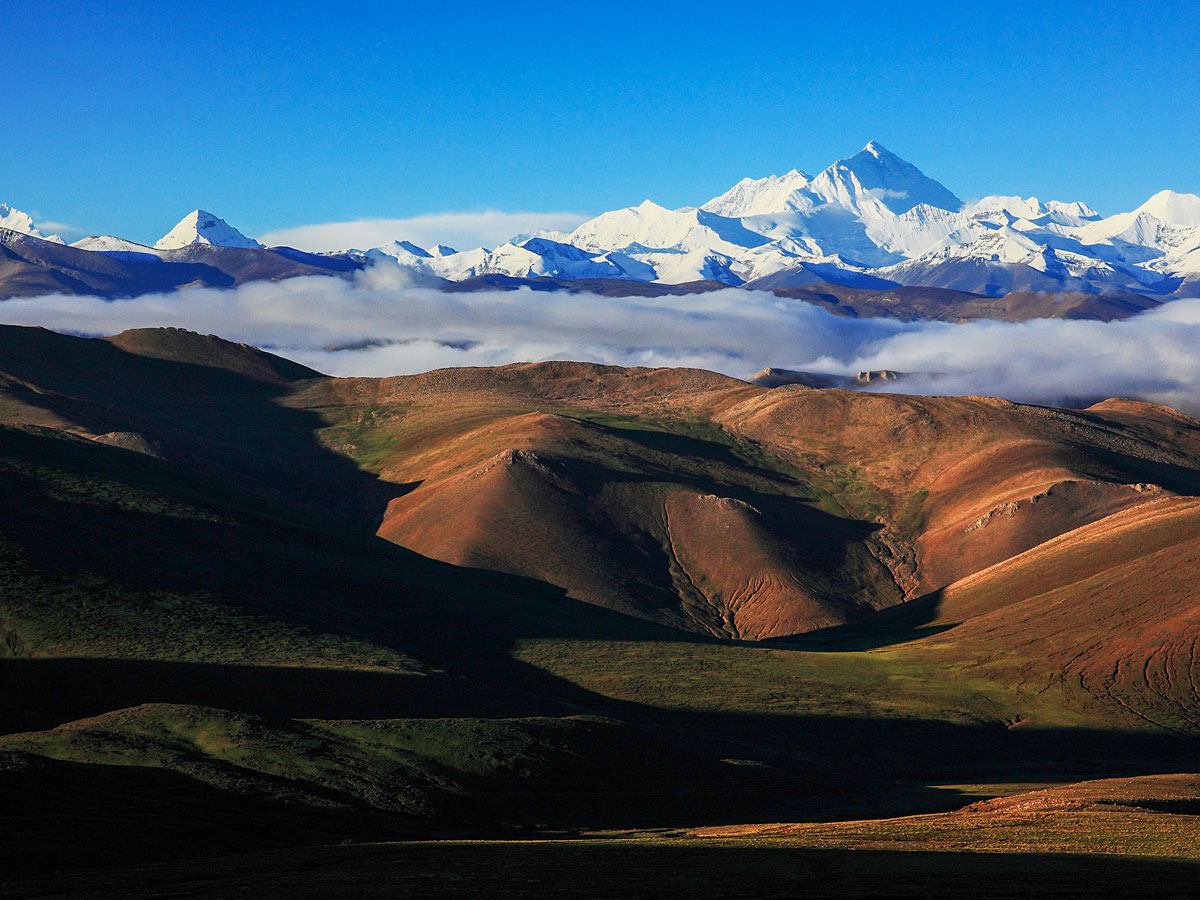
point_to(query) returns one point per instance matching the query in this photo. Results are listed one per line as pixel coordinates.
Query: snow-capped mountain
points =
(200, 227)
(872, 220)
(22, 223)
(117, 247)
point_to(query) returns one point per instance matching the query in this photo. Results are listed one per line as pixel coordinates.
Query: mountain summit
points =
(22, 222)
(874, 172)
(872, 177)
(200, 227)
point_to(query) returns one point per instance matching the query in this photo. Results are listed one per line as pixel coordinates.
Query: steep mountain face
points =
(200, 227)
(877, 177)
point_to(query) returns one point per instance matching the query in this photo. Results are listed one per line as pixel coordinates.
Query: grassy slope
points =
(267, 617)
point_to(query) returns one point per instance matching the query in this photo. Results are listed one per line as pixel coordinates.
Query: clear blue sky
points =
(120, 117)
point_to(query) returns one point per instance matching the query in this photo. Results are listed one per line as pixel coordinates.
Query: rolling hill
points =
(273, 610)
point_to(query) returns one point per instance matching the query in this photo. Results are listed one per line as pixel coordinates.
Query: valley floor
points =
(902, 859)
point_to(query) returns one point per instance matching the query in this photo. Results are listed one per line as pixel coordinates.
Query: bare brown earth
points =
(685, 497)
(748, 513)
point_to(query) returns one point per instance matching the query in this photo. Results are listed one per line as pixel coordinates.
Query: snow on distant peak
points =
(762, 196)
(404, 252)
(1033, 209)
(15, 220)
(875, 175)
(200, 227)
(1173, 208)
(649, 226)
(115, 246)
(877, 150)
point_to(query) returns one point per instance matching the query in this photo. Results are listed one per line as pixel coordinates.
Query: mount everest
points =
(872, 220)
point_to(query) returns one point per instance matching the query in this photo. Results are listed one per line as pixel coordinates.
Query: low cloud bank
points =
(383, 325)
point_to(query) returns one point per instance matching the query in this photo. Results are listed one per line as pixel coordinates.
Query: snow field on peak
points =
(21, 222)
(200, 227)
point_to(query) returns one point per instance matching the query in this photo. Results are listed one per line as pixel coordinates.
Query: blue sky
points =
(120, 117)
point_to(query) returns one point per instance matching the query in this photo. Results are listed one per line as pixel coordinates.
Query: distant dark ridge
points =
(181, 345)
(31, 267)
(605, 287)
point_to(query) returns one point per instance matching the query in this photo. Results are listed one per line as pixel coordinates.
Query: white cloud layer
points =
(391, 327)
(462, 231)
(62, 229)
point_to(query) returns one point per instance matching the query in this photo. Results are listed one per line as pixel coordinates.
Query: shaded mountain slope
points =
(180, 345)
(30, 267)
(945, 305)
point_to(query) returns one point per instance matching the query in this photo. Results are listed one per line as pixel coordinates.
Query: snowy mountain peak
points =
(15, 220)
(762, 196)
(413, 249)
(107, 243)
(1173, 208)
(875, 176)
(877, 150)
(200, 227)
(869, 220)
(405, 252)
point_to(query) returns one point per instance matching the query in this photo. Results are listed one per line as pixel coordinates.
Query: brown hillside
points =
(962, 483)
(1111, 608)
(573, 472)
(181, 345)
(676, 495)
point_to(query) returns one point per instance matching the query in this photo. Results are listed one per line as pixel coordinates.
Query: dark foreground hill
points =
(245, 607)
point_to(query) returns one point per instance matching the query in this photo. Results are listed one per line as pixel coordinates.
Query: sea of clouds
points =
(382, 323)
